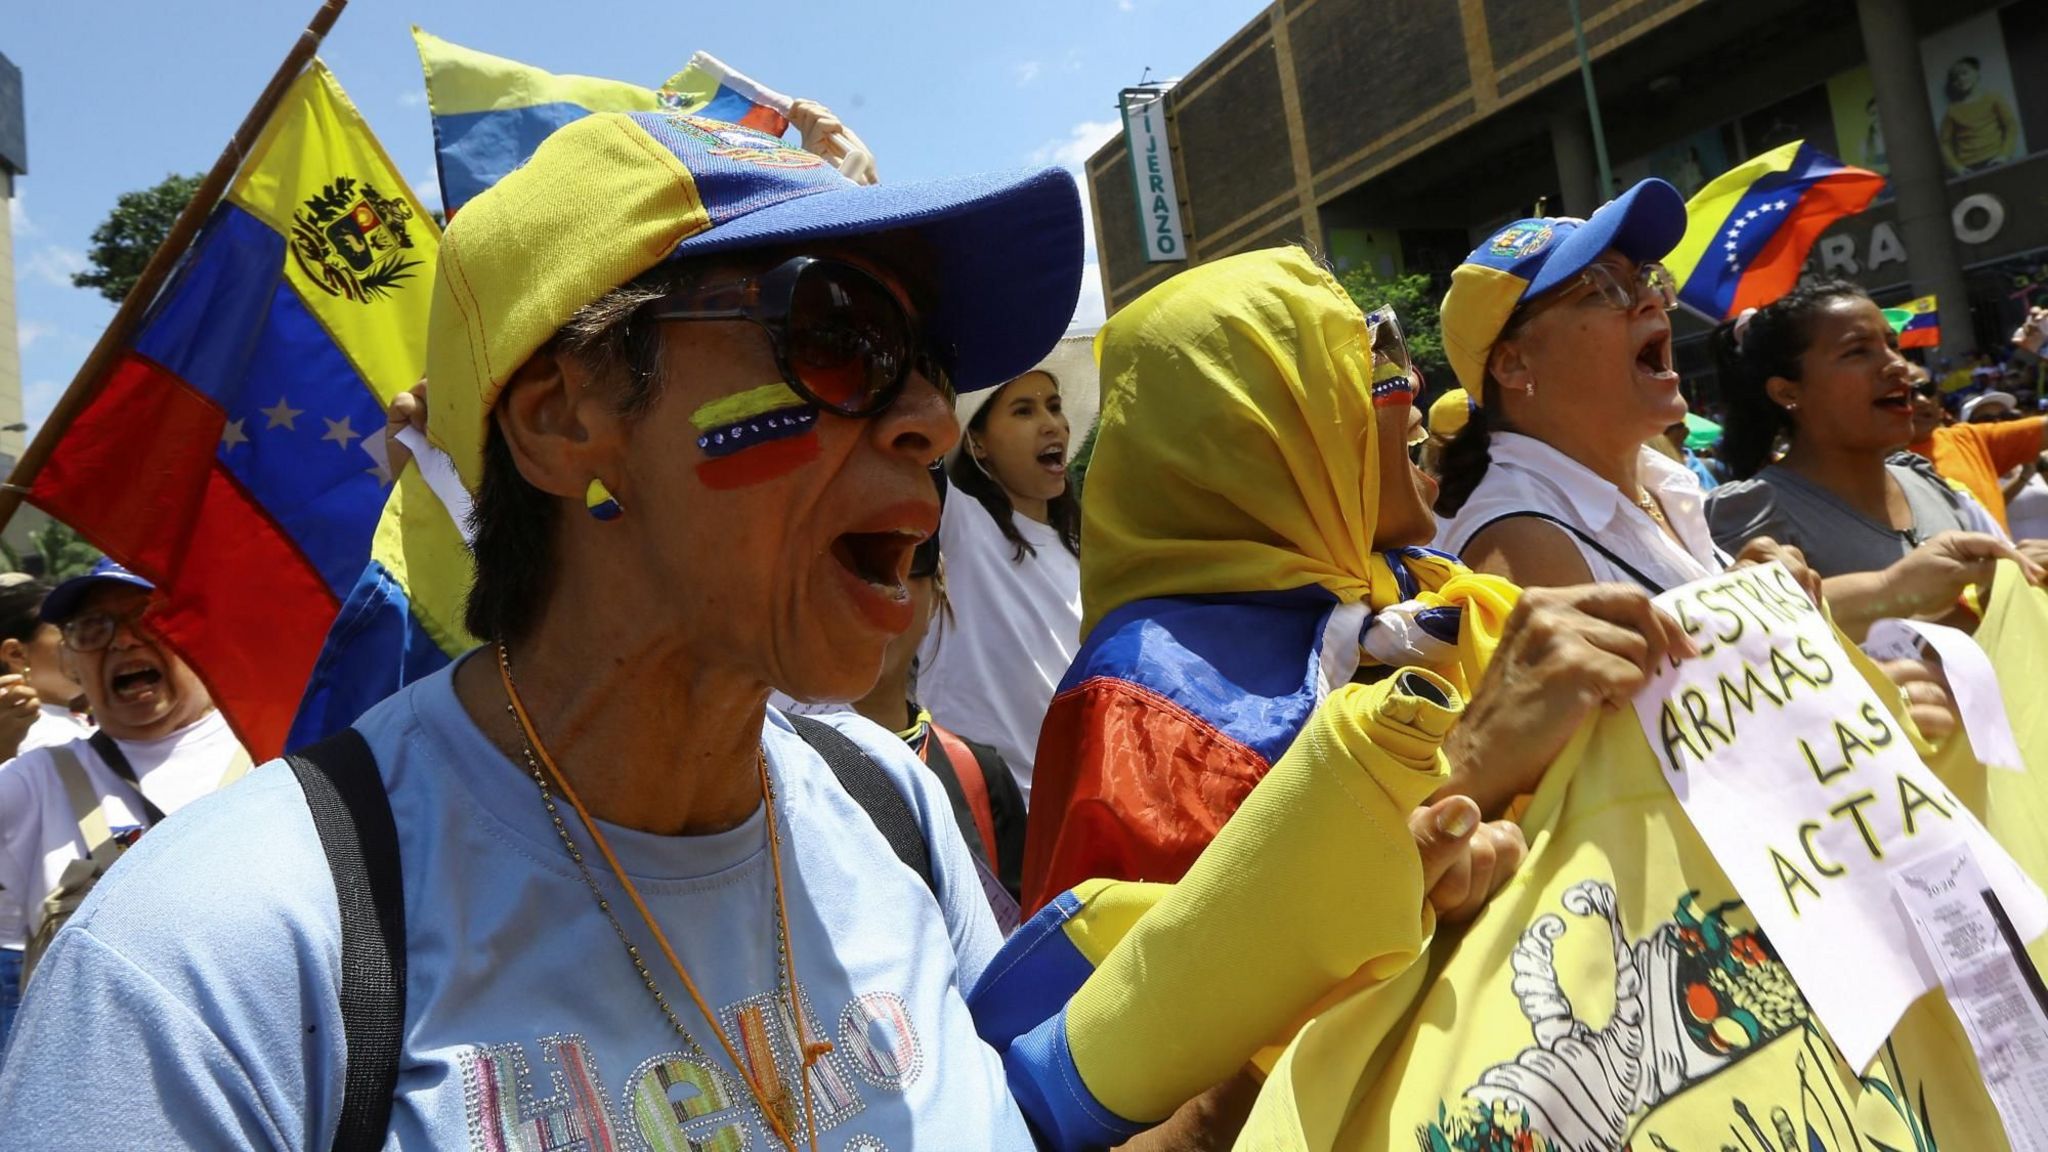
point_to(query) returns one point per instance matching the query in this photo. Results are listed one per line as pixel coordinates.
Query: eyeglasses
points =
(842, 339)
(1393, 374)
(95, 630)
(1927, 389)
(1652, 278)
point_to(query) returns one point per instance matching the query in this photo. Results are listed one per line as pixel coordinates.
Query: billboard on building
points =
(1857, 129)
(1969, 87)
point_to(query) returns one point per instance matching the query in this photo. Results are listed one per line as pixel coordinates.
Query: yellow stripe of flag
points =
(462, 80)
(359, 248)
(1708, 210)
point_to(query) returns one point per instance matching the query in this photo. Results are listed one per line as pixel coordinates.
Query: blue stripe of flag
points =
(233, 328)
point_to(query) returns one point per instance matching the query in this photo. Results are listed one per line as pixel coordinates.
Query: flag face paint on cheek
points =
(755, 436)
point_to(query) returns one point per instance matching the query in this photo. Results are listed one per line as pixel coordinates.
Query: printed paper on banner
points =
(1810, 796)
(1972, 683)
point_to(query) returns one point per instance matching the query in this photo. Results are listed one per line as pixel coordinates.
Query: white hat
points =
(1970, 407)
(1071, 364)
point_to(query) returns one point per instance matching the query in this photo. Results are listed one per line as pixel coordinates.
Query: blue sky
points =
(120, 93)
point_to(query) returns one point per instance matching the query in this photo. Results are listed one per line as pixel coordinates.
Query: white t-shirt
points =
(989, 672)
(1528, 475)
(2027, 513)
(39, 831)
(56, 725)
(215, 950)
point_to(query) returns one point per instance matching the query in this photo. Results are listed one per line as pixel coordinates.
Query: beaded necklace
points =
(773, 1100)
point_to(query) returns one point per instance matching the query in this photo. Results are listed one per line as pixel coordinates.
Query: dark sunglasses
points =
(842, 339)
(1927, 389)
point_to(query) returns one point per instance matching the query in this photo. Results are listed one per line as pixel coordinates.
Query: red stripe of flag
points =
(236, 599)
(1775, 269)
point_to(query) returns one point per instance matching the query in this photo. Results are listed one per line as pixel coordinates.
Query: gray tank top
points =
(1836, 538)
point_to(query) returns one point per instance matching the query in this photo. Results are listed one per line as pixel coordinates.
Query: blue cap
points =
(610, 196)
(63, 601)
(1530, 257)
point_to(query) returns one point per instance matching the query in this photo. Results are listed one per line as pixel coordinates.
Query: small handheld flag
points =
(1749, 230)
(1917, 322)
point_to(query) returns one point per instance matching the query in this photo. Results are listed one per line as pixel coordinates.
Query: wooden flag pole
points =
(120, 332)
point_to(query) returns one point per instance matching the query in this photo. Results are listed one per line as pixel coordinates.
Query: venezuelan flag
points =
(403, 618)
(234, 455)
(490, 113)
(1749, 230)
(1918, 323)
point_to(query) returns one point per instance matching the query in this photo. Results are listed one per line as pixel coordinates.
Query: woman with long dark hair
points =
(1012, 549)
(1819, 370)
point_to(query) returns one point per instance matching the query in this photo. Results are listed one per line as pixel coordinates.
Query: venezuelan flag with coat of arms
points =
(1749, 230)
(490, 113)
(234, 455)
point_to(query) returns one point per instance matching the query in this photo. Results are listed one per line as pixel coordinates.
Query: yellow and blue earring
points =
(600, 503)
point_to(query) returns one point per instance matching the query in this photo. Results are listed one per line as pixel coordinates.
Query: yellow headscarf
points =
(1236, 452)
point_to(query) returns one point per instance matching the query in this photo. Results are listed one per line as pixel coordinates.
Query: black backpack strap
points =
(1634, 573)
(118, 761)
(870, 787)
(350, 809)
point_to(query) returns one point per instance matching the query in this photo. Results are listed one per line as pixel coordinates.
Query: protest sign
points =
(1810, 796)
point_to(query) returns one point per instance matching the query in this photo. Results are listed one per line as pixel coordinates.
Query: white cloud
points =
(30, 331)
(413, 97)
(427, 186)
(1092, 308)
(17, 217)
(1082, 141)
(54, 264)
(1125, 5)
(1026, 72)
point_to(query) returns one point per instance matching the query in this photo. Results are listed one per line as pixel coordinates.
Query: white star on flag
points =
(232, 434)
(379, 451)
(282, 415)
(340, 432)
(1782, 205)
(1750, 215)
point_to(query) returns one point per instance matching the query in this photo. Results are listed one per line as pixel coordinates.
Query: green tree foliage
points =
(1414, 299)
(1078, 466)
(125, 240)
(58, 550)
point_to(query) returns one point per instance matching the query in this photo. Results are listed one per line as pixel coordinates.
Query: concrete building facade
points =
(13, 164)
(1397, 133)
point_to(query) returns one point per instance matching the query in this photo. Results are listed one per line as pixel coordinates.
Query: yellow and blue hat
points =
(1530, 257)
(610, 196)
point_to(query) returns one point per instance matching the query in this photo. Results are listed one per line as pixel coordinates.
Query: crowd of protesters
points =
(1251, 729)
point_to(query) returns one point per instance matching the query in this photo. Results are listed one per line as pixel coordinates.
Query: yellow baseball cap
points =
(610, 196)
(1447, 416)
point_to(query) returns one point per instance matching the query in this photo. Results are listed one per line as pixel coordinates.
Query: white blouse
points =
(1528, 475)
(988, 671)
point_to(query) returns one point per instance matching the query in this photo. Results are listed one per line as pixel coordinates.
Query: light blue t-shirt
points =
(192, 1002)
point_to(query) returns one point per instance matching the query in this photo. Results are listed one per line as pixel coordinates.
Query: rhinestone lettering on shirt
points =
(677, 1102)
